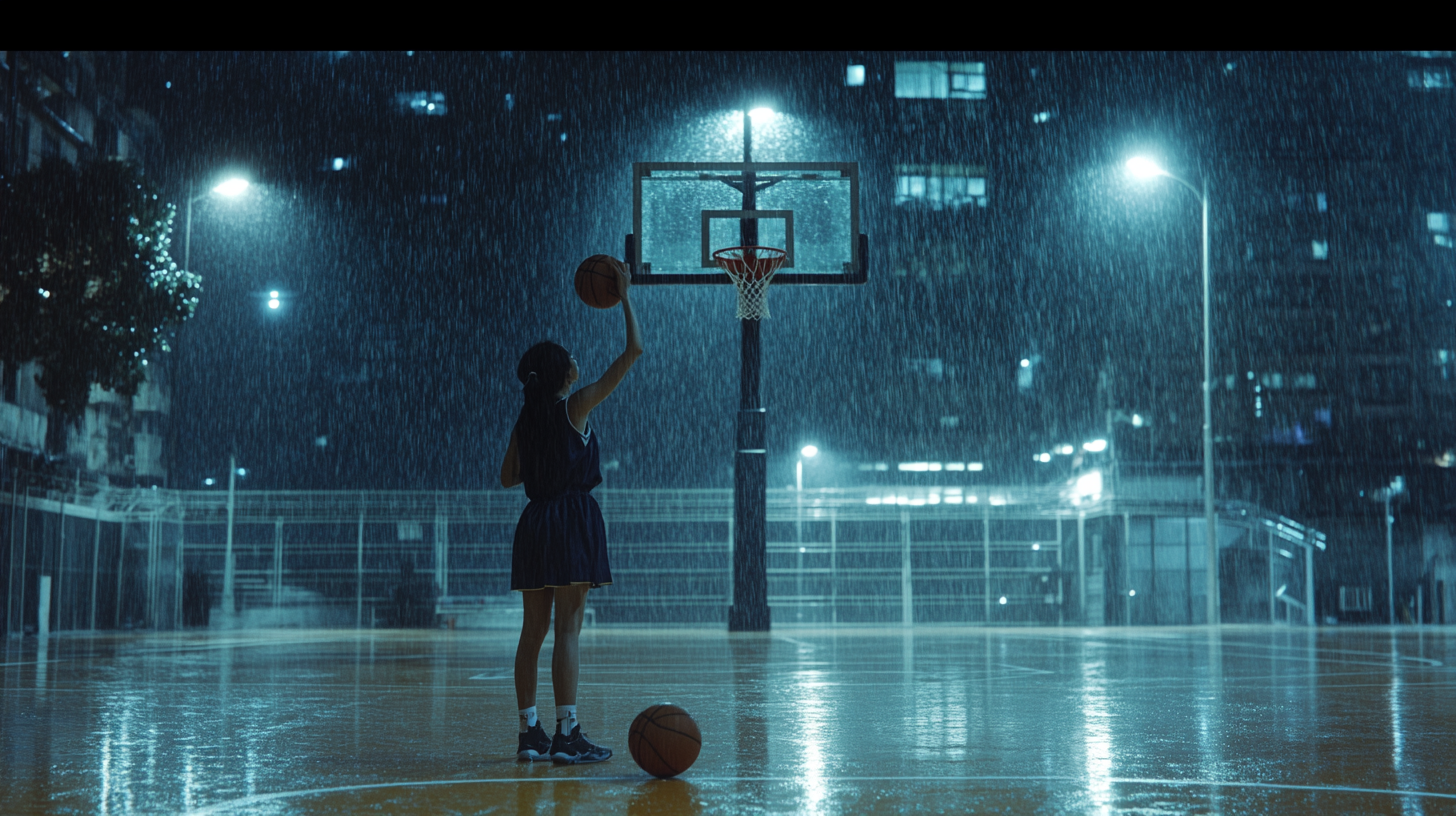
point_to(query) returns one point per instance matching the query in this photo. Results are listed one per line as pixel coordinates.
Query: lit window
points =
(422, 103)
(940, 186)
(1321, 202)
(1438, 222)
(854, 76)
(950, 421)
(1321, 250)
(1428, 78)
(1305, 381)
(940, 80)
(932, 367)
(1442, 240)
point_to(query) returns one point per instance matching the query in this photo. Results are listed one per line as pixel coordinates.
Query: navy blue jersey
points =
(565, 460)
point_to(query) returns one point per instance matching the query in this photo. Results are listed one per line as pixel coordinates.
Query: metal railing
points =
(990, 555)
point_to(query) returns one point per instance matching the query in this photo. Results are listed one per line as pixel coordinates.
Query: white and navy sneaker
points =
(534, 744)
(576, 749)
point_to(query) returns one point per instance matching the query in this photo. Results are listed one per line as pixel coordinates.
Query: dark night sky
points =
(403, 318)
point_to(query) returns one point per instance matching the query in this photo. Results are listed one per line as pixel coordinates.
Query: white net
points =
(751, 269)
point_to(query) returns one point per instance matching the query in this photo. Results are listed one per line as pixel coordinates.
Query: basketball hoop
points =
(751, 268)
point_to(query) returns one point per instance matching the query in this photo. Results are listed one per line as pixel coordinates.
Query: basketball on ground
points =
(664, 740)
(596, 282)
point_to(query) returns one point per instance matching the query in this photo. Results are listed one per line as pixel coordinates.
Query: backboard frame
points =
(643, 274)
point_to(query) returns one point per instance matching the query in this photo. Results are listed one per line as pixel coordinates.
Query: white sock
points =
(565, 718)
(528, 718)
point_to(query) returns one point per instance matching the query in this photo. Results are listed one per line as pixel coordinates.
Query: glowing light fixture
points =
(761, 115)
(1144, 168)
(232, 188)
(808, 451)
(1095, 446)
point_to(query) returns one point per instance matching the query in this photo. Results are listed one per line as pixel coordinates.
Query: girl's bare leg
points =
(535, 623)
(565, 657)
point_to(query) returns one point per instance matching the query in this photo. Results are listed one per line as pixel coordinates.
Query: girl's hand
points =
(624, 278)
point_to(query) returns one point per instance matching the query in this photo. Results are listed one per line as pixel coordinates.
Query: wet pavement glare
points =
(921, 720)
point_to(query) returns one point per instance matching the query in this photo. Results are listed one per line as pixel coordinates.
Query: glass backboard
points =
(683, 211)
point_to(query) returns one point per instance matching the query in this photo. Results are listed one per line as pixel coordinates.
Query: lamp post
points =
(1394, 489)
(232, 188)
(1145, 168)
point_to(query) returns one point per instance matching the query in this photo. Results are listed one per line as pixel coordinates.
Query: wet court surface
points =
(930, 720)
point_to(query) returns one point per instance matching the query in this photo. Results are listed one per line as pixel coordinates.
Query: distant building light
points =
(274, 303)
(914, 467)
(1320, 249)
(881, 466)
(1088, 485)
(1321, 202)
(553, 117)
(1442, 240)
(1095, 446)
(1036, 547)
(956, 466)
(1137, 420)
(975, 466)
(1003, 600)
(1025, 363)
(510, 102)
(950, 421)
(1043, 457)
(45, 293)
(940, 186)
(854, 76)
(273, 294)
(1042, 117)
(209, 482)
(954, 499)
(242, 471)
(940, 80)
(1065, 450)
(1429, 78)
(422, 103)
(339, 163)
(1131, 593)
(1438, 222)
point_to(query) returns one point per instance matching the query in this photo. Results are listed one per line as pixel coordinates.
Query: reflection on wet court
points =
(886, 720)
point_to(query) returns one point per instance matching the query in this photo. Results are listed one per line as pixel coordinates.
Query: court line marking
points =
(248, 801)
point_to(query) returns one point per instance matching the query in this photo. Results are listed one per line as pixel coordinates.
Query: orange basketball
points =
(596, 282)
(664, 740)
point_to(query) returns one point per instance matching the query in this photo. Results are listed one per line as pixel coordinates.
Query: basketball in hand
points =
(596, 282)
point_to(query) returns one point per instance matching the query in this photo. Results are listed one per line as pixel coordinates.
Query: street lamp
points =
(1144, 168)
(232, 188)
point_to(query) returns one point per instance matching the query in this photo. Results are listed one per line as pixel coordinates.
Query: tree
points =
(87, 287)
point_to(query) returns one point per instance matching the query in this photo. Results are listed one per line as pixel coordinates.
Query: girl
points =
(560, 549)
